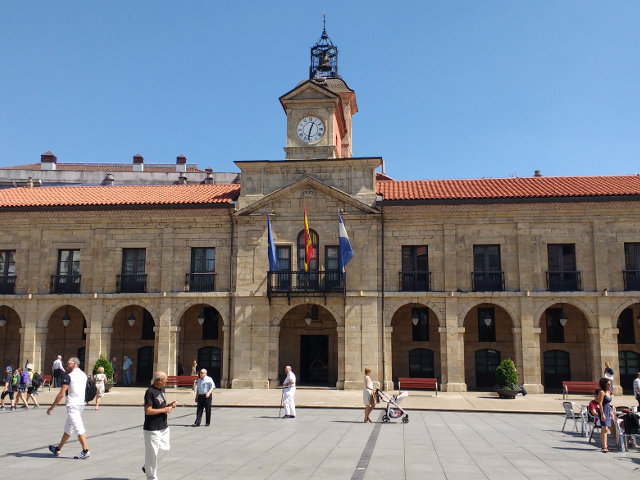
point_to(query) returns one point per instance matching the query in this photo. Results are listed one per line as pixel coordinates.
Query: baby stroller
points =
(393, 410)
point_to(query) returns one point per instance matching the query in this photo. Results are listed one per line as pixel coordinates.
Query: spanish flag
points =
(308, 245)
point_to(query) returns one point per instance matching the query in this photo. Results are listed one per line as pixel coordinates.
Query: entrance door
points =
(209, 359)
(556, 369)
(486, 363)
(629, 368)
(314, 360)
(144, 370)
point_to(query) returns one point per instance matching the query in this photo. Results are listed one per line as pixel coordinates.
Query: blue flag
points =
(273, 259)
(346, 252)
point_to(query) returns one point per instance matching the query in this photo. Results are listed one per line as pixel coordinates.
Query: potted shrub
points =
(507, 379)
(108, 371)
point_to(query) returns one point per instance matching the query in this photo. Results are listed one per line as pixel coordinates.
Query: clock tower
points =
(319, 109)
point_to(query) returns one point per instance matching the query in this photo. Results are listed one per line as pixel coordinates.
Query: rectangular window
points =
(486, 325)
(133, 277)
(420, 330)
(67, 278)
(632, 266)
(7, 272)
(284, 267)
(210, 325)
(555, 329)
(332, 267)
(203, 260)
(562, 275)
(415, 268)
(487, 269)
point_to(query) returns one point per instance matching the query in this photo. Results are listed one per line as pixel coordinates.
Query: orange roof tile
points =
(104, 167)
(118, 195)
(504, 188)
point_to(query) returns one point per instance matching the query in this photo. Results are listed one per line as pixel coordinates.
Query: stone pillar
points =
(341, 358)
(94, 342)
(33, 341)
(453, 348)
(607, 343)
(387, 381)
(530, 372)
(165, 345)
(274, 354)
(516, 333)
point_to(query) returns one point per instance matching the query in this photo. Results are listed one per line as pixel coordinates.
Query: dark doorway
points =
(629, 368)
(209, 358)
(144, 370)
(314, 360)
(556, 369)
(421, 363)
(486, 363)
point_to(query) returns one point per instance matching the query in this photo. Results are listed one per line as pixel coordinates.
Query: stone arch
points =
(393, 307)
(583, 307)
(184, 307)
(112, 311)
(18, 309)
(51, 309)
(507, 307)
(278, 313)
(620, 308)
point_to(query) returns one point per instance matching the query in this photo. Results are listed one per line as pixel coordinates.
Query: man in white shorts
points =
(288, 398)
(73, 385)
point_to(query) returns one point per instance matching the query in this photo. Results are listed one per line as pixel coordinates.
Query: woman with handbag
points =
(368, 395)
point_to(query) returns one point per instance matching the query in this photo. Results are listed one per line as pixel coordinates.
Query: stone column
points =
(341, 358)
(387, 381)
(607, 337)
(165, 346)
(94, 342)
(530, 372)
(453, 348)
(33, 341)
(274, 354)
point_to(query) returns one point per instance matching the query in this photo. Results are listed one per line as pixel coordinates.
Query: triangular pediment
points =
(298, 189)
(308, 91)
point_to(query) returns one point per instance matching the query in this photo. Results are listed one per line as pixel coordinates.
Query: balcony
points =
(199, 282)
(7, 284)
(135, 283)
(415, 281)
(565, 281)
(487, 281)
(293, 283)
(631, 280)
(60, 284)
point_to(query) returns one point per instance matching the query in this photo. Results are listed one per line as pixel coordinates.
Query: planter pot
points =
(107, 387)
(507, 392)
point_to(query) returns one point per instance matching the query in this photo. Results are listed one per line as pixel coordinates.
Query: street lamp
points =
(307, 318)
(66, 319)
(563, 318)
(3, 319)
(132, 319)
(415, 318)
(201, 318)
(487, 319)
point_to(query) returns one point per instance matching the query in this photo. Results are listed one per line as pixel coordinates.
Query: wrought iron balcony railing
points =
(631, 279)
(289, 281)
(200, 282)
(487, 281)
(415, 281)
(564, 281)
(65, 283)
(135, 283)
(7, 284)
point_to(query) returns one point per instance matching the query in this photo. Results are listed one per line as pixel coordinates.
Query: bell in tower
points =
(324, 56)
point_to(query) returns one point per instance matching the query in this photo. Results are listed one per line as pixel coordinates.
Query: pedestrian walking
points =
(100, 379)
(22, 383)
(73, 387)
(126, 370)
(155, 428)
(204, 391)
(57, 370)
(368, 395)
(289, 393)
(32, 389)
(8, 388)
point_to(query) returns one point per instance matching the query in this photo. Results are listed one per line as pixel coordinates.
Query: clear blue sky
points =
(445, 89)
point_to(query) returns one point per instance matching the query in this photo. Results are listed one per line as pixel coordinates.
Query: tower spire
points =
(324, 56)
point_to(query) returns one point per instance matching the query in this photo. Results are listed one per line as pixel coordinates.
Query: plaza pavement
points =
(452, 436)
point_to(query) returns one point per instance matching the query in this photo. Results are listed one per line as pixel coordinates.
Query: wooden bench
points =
(407, 382)
(578, 387)
(181, 381)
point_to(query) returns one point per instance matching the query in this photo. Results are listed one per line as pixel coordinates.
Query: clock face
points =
(310, 129)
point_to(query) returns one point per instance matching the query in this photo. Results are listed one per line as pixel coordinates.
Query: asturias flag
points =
(308, 245)
(273, 259)
(346, 252)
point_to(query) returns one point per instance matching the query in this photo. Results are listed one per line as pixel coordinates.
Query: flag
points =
(308, 245)
(273, 259)
(346, 252)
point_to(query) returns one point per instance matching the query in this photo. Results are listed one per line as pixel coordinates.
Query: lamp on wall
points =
(563, 318)
(66, 319)
(487, 319)
(308, 318)
(3, 318)
(132, 319)
(637, 319)
(201, 318)
(415, 318)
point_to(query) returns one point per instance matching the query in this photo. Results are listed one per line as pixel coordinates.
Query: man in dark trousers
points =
(204, 390)
(155, 428)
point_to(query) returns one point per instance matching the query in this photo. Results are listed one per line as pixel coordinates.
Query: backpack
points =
(36, 381)
(25, 379)
(14, 380)
(90, 391)
(630, 424)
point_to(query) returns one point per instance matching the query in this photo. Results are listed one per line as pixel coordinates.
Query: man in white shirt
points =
(57, 370)
(73, 386)
(289, 393)
(636, 388)
(204, 390)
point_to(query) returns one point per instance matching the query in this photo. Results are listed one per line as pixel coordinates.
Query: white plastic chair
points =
(572, 414)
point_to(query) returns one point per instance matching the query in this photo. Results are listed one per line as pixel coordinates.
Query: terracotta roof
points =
(504, 188)
(104, 167)
(118, 195)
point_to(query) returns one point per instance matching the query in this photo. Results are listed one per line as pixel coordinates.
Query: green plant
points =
(507, 375)
(106, 364)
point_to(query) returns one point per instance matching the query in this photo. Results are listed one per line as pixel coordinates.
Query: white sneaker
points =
(83, 455)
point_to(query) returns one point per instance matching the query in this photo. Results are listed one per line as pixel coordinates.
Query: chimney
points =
(108, 180)
(48, 161)
(30, 182)
(537, 173)
(209, 179)
(138, 163)
(181, 163)
(182, 179)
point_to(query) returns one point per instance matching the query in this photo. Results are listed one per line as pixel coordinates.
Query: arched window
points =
(313, 265)
(421, 363)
